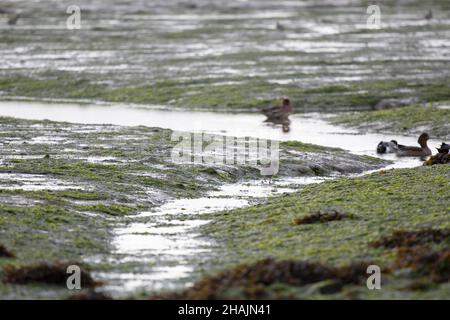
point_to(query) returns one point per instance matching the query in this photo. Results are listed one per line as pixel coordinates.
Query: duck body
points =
(444, 148)
(412, 151)
(278, 114)
(442, 157)
(278, 118)
(387, 147)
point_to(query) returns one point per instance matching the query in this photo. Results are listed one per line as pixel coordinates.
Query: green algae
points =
(410, 120)
(308, 147)
(54, 196)
(113, 210)
(379, 204)
(247, 94)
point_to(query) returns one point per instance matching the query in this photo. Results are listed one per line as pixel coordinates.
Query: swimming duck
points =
(429, 15)
(12, 20)
(444, 148)
(278, 114)
(422, 151)
(441, 157)
(387, 147)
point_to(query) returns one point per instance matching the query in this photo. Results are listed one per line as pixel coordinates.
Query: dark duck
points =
(387, 147)
(442, 157)
(406, 151)
(412, 151)
(279, 114)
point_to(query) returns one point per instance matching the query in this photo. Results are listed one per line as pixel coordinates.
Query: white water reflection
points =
(168, 237)
(33, 182)
(262, 189)
(131, 282)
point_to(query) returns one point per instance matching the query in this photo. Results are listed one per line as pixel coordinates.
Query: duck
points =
(441, 157)
(429, 15)
(12, 20)
(278, 114)
(410, 151)
(280, 27)
(387, 147)
(444, 148)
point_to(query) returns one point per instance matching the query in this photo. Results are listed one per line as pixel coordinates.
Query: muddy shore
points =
(97, 185)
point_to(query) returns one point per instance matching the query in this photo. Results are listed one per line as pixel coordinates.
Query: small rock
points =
(5, 253)
(394, 103)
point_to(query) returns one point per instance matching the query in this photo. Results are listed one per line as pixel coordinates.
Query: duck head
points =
(382, 147)
(393, 145)
(424, 137)
(286, 107)
(444, 148)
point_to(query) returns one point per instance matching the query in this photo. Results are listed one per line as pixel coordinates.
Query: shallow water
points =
(33, 182)
(308, 128)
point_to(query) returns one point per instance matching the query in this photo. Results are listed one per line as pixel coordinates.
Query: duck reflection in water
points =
(279, 115)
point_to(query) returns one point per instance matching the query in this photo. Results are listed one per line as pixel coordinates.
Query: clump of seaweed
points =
(354, 273)
(412, 238)
(319, 217)
(425, 262)
(89, 295)
(253, 279)
(5, 253)
(55, 273)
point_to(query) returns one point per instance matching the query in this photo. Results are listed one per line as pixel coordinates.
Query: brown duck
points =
(442, 157)
(278, 114)
(408, 151)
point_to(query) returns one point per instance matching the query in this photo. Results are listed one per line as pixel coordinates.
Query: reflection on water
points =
(33, 182)
(165, 234)
(169, 234)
